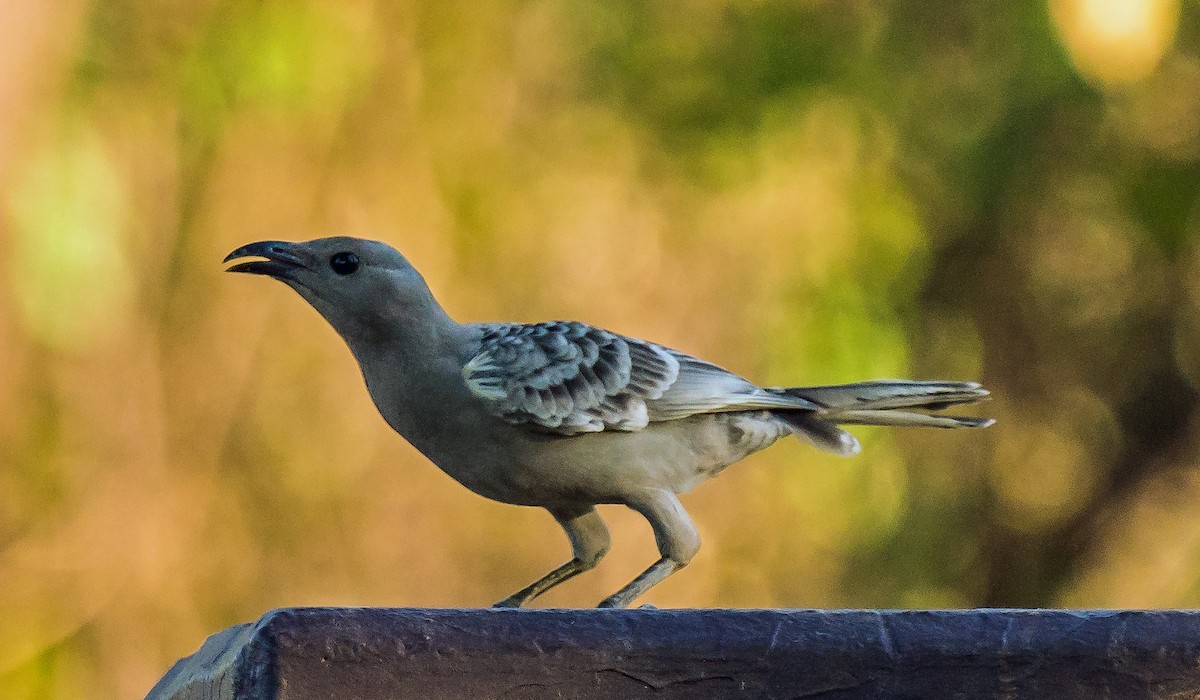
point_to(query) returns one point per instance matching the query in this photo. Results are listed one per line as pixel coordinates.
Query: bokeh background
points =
(804, 192)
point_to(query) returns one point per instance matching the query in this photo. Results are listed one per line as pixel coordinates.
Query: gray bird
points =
(564, 415)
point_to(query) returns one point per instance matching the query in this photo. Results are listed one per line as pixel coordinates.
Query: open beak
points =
(281, 259)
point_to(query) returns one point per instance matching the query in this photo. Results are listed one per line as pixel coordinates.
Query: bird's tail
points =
(881, 402)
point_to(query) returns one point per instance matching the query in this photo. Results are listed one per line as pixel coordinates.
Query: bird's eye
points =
(343, 263)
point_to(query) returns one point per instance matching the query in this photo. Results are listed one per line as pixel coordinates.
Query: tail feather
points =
(908, 418)
(877, 403)
(886, 394)
(821, 434)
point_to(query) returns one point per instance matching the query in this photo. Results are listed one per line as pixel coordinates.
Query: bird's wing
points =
(567, 377)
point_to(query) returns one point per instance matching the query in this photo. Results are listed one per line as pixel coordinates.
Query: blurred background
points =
(803, 192)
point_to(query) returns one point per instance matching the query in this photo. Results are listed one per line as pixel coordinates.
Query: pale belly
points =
(514, 464)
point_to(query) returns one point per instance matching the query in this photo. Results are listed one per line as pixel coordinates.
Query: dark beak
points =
(282, 259)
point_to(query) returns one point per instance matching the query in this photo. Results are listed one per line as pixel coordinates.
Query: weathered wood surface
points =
(370, 653)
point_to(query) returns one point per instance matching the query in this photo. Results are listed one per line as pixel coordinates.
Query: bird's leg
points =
(677, 541)
(658, 571)
(589, 543)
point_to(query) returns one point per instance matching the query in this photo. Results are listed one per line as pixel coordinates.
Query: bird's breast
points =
(431, 408)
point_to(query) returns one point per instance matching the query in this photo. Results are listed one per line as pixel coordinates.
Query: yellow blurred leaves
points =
(1045, 466)
(1163, 111)
(68, 266)
(294, 55)
(1150, 546)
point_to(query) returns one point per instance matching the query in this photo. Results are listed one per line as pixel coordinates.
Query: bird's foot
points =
(616, 601)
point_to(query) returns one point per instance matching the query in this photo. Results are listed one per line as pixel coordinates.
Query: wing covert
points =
(568, 377)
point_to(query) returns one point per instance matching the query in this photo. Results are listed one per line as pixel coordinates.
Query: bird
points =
(564, 415)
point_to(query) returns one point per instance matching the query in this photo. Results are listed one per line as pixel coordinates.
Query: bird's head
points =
(363, 288)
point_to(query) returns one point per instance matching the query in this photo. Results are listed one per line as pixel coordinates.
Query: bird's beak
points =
(282, 258)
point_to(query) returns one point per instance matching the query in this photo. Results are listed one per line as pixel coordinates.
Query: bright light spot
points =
(1116, 41)
(1118, 20)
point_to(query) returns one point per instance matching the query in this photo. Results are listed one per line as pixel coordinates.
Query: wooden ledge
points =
(368, 653)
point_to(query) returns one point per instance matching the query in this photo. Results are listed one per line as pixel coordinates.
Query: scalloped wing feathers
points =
(568, 377)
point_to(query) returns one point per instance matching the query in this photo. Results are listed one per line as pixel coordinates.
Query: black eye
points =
(344, 263)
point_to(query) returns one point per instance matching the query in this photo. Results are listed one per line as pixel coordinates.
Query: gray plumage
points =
(564, 415)
(568, 378)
